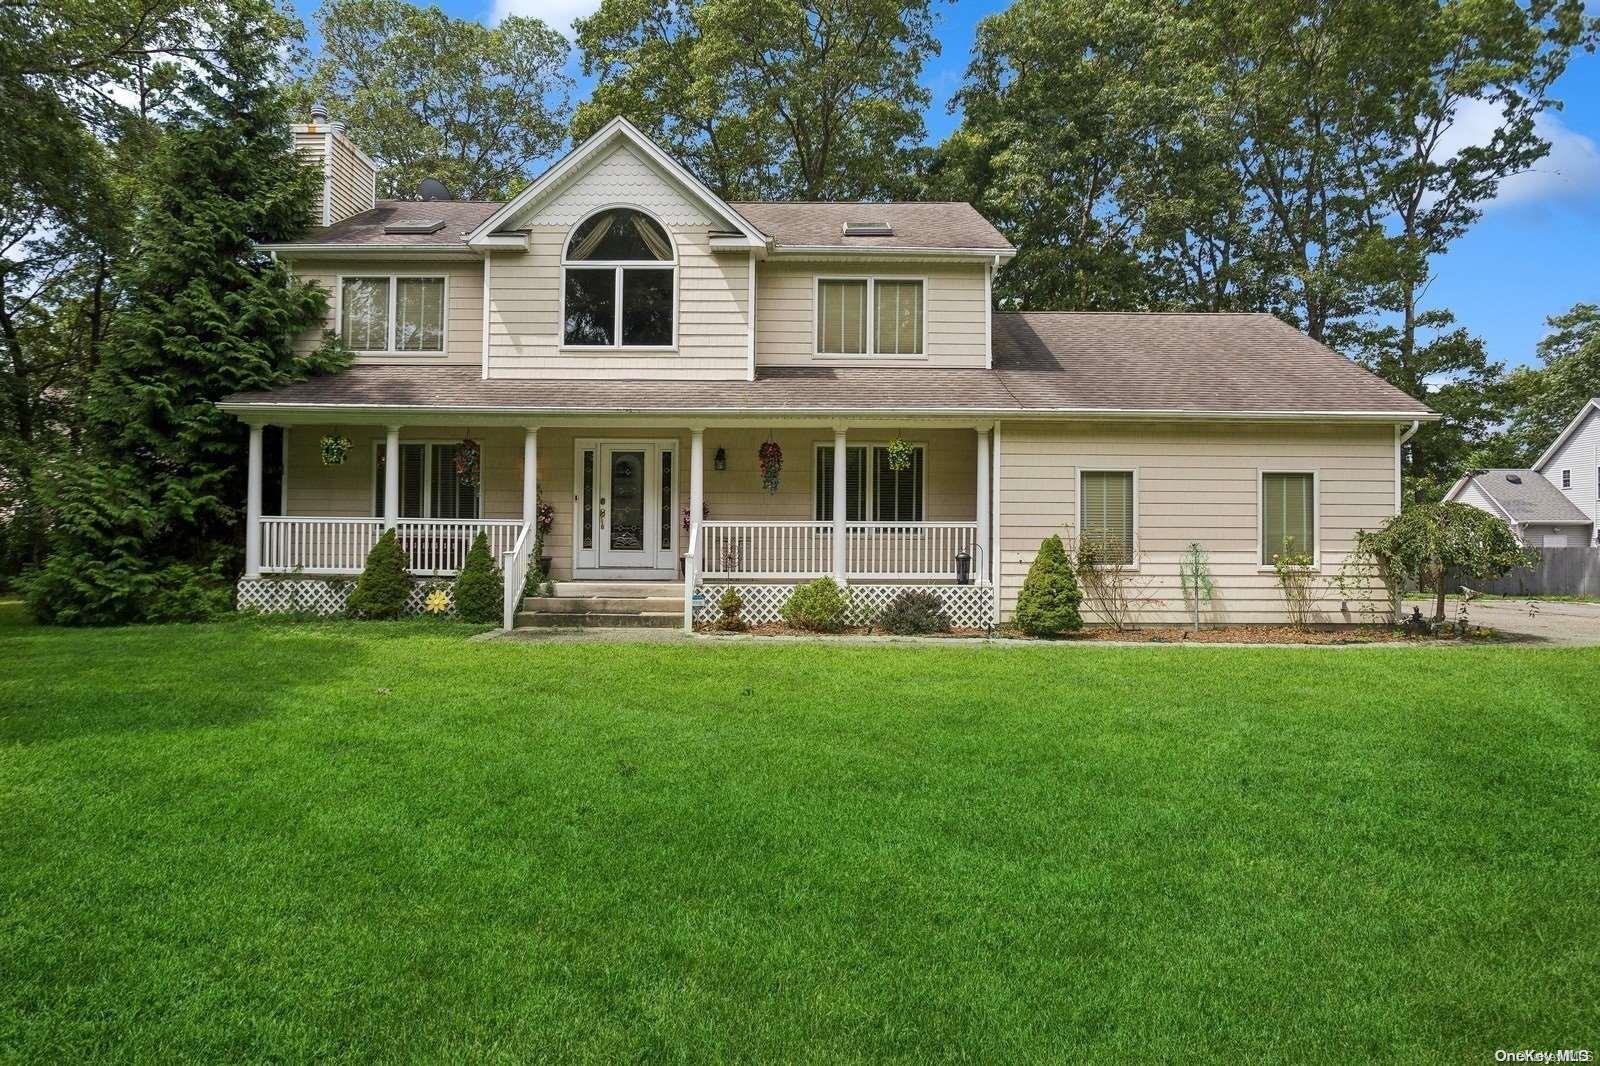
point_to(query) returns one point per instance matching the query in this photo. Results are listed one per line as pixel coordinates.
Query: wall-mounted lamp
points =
(720, 460)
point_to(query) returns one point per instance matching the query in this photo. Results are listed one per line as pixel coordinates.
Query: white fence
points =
(924, 551)
(436, 546)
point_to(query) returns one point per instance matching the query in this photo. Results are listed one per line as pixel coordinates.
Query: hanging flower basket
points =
(335, 449)
(899, 455)
(468, 462)
(547, 516)
(771, 456)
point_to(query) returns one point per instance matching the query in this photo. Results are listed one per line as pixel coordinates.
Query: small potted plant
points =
(335, 449)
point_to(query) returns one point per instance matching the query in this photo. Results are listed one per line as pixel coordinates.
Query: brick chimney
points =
(349, 176)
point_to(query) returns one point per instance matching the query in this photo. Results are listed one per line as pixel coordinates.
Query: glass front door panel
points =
(627, 501)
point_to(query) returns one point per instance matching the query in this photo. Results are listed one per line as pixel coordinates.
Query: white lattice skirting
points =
(969, 606)
(320, 595)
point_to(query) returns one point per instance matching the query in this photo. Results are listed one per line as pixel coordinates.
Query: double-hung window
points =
(874, 490)
(618, 283)
(393, 313)
(870, 316)
(1106, 515)
(1288, 518)
(429, 484)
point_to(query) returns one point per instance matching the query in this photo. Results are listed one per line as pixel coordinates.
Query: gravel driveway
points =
(1572, 624)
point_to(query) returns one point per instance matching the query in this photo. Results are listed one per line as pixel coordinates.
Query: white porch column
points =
(841, 497)
(391, 478)
(697, 476)
(980, 565)
(252, 507)
(530, 476)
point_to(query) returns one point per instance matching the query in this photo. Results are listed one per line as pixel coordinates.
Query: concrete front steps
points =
(605, 604)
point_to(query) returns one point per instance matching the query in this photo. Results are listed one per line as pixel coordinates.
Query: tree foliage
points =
(157, 488)
(431, 96)
(1544, 399)
(1427, 541)
(767, 99)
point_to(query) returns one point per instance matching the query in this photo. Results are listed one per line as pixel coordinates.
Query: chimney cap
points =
(319, 113)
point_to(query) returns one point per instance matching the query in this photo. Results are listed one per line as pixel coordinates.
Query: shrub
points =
(729, 604)
(1048, 603)
(914, 611)
(479, 587)
(385, 584)
(1427, 541)
(818, 606)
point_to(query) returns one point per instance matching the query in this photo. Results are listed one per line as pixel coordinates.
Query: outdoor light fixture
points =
(720, 460)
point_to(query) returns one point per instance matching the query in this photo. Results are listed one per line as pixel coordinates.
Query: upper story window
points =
(869, 316)
(393, 313)
(618, 282)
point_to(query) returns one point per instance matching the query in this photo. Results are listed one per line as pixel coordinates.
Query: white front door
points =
(624, 499)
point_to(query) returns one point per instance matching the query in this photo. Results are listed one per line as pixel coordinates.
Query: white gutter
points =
(876, 251)
(1083, 413)
(1399, 443)
(369, 251)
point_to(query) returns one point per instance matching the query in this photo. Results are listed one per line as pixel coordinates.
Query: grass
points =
(256, 841)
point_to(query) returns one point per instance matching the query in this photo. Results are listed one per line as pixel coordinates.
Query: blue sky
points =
(1532, 255)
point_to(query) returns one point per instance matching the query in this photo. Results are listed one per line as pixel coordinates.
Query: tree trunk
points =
(1438, 598)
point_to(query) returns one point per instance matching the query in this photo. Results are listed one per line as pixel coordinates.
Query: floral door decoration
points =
(771, 458)
(468, 462)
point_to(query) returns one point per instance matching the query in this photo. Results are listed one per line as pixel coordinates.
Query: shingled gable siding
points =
(525, 327)
(786, 318)
(464, 291)
(1196, 483)
(346, 491)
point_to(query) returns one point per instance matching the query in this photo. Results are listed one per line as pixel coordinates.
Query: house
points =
(1551, 504)
(622, 345)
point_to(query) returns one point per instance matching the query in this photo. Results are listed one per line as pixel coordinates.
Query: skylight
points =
(868, 229)
(414, 225)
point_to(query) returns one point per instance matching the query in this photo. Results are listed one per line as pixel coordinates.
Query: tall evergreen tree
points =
(146, 522)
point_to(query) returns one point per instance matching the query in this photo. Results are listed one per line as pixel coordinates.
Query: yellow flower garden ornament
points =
(437, 602)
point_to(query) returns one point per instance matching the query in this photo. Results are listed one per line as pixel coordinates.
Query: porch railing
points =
(515, 572)
(436, 546)
(921, 551)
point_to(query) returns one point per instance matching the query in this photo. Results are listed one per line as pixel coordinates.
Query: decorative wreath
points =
(899, 454)
(771, 456)
(468, 462)
(335, 447)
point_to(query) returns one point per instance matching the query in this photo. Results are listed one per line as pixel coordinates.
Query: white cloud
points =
(557, 14)
(1570, 171)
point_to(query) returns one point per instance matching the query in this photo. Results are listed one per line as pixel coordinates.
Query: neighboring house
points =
(1552, 504)
(620, 343)
(1538, 513)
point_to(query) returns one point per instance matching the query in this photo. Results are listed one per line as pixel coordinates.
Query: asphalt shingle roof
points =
(1531, 498)
(915, 225)
(1245, 364)
(460, 217)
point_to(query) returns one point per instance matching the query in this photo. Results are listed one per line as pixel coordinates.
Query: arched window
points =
(619, 282)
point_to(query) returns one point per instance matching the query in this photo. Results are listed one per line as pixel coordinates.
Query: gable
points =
(620, 176)
(1580, 438)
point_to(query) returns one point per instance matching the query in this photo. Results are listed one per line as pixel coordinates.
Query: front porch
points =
(637, 503)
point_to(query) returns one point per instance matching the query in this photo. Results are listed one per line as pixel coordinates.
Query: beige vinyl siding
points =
(463, 296)
(312, 149)
(353, 180)
(315, 490)
(1195, 483)
(712, 330)
(953, 334)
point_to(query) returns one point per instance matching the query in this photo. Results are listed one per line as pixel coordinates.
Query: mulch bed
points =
(1238, 634)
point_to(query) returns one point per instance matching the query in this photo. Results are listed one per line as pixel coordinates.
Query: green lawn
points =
(249, 841)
